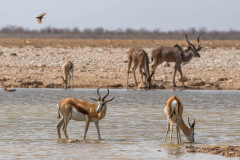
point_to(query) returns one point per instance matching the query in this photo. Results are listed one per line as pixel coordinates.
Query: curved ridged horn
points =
(198, 39)
(198, 46)
(106, 95)
(99, 96)
(193, 123)
(189, 123)
(189, 42)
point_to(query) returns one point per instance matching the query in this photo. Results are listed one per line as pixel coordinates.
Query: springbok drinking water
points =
(174, 111)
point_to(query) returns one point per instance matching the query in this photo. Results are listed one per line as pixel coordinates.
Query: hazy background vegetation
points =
(129, 33)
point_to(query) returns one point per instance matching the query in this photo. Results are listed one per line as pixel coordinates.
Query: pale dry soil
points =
(217, 68)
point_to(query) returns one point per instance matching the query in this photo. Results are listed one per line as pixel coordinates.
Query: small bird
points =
(40, 17)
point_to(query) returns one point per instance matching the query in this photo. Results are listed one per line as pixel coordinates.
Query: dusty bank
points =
(29, 66)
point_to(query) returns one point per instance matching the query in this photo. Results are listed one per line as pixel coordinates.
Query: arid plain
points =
(103, 63)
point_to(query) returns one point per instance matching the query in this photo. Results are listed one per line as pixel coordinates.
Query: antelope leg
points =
(98, 129)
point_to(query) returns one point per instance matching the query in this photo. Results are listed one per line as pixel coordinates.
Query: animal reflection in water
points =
(9, 90)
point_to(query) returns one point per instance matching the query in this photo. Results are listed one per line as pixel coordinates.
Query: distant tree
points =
(128, 33)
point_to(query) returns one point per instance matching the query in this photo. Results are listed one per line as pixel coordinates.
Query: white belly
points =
(94, 120)
(78, 116)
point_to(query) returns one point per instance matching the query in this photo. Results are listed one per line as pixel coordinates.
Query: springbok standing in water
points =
(141, 60)
(175, 54)
(174, 111)
(79, 110)
(67, 71)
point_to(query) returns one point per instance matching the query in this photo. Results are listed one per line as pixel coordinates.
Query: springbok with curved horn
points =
(79, 110)
(67, 71)
(175, 54)
(141, 60)
(174, 111)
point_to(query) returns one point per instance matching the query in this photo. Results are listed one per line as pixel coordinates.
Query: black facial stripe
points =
(102, 105)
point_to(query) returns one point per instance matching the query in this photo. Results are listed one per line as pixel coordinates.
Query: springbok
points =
(174, 111)
(175, 54)
(27, 42)
(79, 110)
(67, 71)
(141, 60)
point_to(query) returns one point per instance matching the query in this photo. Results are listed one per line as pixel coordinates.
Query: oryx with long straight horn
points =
(79, 110)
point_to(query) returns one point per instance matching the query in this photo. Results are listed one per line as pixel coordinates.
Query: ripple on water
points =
(133, 128)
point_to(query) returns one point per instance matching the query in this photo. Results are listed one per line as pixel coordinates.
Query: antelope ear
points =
(199, 48)
(93, 99)
(110, 100)
(189, 48)
(144, 74)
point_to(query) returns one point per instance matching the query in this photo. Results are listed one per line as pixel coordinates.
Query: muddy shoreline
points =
(223, 150)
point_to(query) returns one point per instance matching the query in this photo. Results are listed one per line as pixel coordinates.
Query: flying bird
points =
(40, 17)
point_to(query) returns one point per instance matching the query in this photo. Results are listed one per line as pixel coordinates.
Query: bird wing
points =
(39, 20)
(43, 14)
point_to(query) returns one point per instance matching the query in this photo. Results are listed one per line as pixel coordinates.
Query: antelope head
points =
(191, 137)
(102, 102)
(192, 48)
(149, 79)
(64, 82)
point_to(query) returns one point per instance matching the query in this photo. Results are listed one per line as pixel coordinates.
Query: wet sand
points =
(227, 151)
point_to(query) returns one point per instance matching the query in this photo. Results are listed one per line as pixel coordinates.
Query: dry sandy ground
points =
(217, 68)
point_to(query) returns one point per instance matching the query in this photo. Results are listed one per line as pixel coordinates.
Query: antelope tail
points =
(174, 106)
(59, 116)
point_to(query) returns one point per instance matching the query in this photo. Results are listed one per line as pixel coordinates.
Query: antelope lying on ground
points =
(141, 60)
(174, 54)
(67, 71)
(174, 111)
(79, 110)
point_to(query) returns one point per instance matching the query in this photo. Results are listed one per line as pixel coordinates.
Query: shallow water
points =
(134, 126)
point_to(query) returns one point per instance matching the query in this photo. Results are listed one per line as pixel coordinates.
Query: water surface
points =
(134, 126)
